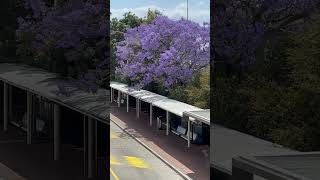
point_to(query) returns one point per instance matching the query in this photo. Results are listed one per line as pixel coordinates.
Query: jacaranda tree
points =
(244, 29)
(69, 38)
(119, 26)
(165, 52)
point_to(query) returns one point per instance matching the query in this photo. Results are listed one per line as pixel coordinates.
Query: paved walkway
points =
(193, 161)
(130, 160)
(35, 161)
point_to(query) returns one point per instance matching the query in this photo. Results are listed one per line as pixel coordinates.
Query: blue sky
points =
(199, 10)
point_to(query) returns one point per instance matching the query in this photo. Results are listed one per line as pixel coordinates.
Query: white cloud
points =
(196, 14)
(139, 11)
(179, 11)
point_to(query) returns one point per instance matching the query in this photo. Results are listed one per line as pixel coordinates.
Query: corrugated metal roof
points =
(227, 143)
(46, 84)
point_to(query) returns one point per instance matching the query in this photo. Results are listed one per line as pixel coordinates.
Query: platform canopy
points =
(201, 116)
(125, 89)
(140, 94)
(48, 85)
(296, 166)
(150, 97)
(228, 143)
(175, 107)
(167, 104)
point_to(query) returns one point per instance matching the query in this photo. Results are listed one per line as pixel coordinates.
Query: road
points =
(129, 160)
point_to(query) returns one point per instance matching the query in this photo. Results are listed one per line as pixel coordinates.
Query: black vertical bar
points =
(96, 147)
(5, 106)
(85, 145)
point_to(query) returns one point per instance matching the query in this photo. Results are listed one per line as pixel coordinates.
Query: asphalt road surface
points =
(131, 161)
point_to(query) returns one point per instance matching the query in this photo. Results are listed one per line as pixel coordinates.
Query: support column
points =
(151, 114)
(127, 102)
(95, 147)
(167, 123)
(111, 95)
(56, 127)
(137, 108)
(5, 106)
(119, 98)
(139, 105)
(85, 145)
(188, 119)
(10, 104)
(29, 117)
(91, 151)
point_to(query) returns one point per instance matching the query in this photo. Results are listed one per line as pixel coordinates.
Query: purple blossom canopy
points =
(242, 29)
(167, 52)
(75, 27)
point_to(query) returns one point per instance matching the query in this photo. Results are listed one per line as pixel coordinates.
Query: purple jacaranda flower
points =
(242, 29)
(78, 29)
(165, 51)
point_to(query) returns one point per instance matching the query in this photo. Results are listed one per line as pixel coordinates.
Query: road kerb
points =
(153, 152)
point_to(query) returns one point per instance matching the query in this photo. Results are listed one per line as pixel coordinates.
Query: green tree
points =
(9, 11)
(151, 15)
(198, 91)
(278, 99)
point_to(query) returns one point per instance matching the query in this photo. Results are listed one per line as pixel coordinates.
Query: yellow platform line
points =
(113, 161)
(114, 174)
(136, 162)
(113, 136)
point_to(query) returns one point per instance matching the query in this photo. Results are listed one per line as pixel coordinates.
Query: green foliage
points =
(229, 103)
(151, 15)
(305, 59)
(9, 11)
(198, 91)
(277, 99)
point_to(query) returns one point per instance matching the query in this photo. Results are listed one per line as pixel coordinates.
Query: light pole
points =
(187, 9)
